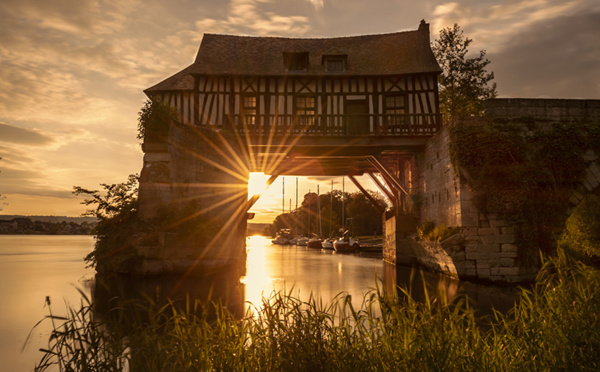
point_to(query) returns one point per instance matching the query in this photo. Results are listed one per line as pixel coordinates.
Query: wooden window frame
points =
(250, 111)
(394, 108)
(308, 112)
(329, 61)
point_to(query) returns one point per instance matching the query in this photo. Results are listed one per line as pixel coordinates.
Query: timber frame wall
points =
(218, 101)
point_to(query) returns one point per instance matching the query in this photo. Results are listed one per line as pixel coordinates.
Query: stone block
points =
(497, 223)
(470, 231)
(483, 273)
(470, 220)
(508, 254)
(498, 239)
(489, 248)
(488, 231)
(484, 223)
(471, 248)
(507, 262)
(469, 264)
(509, 248)
(483, 264)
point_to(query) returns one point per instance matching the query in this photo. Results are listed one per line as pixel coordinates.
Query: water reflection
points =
(302, 272)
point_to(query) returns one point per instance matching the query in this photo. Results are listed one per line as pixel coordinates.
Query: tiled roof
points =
(397, 53)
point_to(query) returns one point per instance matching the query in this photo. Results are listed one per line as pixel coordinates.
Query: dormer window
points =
(335, 65)
(295, 59)
(335, 61)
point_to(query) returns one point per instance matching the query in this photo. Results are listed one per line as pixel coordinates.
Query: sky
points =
(72, 73)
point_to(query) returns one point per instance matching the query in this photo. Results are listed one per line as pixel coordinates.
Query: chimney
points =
(424, 42)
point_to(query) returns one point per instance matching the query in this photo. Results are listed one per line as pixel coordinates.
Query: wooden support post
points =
(382, 188)
(389, 176)
(366, 193)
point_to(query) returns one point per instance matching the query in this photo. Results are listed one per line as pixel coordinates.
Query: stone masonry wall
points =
(485, 249)
(438, 188)
(544, 109)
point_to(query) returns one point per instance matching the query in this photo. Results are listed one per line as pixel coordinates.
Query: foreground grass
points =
(555, 326)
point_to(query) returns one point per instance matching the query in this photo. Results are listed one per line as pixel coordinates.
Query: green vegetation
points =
(435, 233)
(464, 82)
(154, 120)
(523, 172)
(582, 234)
(553, 327)
(115, 211)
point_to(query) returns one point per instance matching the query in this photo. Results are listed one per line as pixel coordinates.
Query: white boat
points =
(346, 244)
(327, 243)
(283, 237)
(302, 241)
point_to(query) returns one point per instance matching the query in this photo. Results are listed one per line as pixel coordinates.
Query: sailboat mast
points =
(319, 210)
(343, 218)
(331, 210)
(283, 195)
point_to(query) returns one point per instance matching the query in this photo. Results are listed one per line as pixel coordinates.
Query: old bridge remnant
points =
(282, 106)
(294, 106)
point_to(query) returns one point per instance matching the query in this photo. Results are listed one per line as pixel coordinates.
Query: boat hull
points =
(345, 246)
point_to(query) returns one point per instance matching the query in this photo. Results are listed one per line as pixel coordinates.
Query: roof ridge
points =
(310, 38)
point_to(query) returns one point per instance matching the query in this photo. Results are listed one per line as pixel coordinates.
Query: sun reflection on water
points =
(257, 279)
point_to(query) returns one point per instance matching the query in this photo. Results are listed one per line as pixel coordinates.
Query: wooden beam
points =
(366, 193)
(387, 192)
(394, 181)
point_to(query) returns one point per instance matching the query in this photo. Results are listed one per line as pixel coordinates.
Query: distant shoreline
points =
(63, 225)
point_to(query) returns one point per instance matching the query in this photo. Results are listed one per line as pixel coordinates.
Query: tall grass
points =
(554, 326)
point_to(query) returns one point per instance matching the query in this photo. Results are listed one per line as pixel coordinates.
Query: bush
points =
(582, 233)
(432, 233)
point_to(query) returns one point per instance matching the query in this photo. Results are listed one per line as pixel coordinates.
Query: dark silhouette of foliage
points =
(464, 83)
(154, 120)
(115, 210)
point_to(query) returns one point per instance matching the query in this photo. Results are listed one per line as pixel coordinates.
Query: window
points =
(249, 109)
(335, 65)
(395, 109)
(305, 110)
(334, 60)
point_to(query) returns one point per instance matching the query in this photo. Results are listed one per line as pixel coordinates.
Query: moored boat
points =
(314, 242)
(345, 244)
(283, 237)
(303, 241)
(327, 243)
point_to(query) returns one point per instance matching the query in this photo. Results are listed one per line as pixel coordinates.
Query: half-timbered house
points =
(372, 85)
(287, 106)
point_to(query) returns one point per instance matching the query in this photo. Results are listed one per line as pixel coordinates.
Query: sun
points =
(257, 183)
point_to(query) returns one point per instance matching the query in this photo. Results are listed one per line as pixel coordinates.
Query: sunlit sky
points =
(72, 72)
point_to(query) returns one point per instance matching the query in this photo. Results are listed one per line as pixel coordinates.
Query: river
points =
(33, 267)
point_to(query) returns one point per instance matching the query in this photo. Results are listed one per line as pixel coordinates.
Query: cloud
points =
(32, 137)
(492, 24)
(245, 16)
(540, 62)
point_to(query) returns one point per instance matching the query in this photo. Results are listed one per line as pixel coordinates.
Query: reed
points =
(554, 326)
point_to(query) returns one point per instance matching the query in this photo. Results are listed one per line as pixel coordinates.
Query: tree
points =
(117, 223)
(464, 82)
(154, 120)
